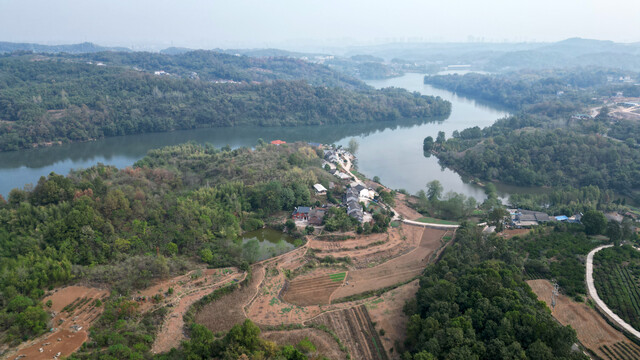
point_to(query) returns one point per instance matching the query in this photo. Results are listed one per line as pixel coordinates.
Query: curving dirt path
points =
(594, 295)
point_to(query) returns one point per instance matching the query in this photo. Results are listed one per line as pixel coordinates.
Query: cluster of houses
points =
(312, 216)
(356, 194)
(332, 157)
(528, 218)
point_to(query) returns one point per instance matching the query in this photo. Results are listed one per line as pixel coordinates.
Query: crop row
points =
(619, 290)
(620, 351)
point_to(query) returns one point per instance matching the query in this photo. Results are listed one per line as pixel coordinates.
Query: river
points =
(392, 151)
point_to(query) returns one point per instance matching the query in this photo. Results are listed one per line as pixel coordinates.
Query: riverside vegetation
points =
(61, 98)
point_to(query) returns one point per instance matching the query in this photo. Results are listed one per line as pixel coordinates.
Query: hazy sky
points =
(290, 23)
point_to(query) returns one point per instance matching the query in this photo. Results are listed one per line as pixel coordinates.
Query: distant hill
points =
(497, 57)
(86, 47)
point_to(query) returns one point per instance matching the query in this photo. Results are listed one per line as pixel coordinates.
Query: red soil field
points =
(70, 327)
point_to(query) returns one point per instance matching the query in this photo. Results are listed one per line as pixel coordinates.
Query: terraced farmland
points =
(312, 291)
(353, 326)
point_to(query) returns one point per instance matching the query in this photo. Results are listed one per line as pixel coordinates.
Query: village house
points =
(320, 190)
(528, 218)
(352, 201)
(301, 213)
(316, 216)
(331, 156)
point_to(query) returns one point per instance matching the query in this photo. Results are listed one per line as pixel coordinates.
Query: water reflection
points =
(391, 150)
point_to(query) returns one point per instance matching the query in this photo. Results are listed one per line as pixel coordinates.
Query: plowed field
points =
(317, 290)
(354, 328)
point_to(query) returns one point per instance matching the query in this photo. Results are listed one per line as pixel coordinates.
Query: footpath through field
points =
(594, 294)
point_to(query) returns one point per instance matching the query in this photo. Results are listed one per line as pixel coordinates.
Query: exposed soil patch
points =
(593, 331)
(509, 233)
(354, 328)
(74, 311)
(325, 344)
(171, 333)
(394, 271)
(224, 313)
(403, 208)
(386, 312)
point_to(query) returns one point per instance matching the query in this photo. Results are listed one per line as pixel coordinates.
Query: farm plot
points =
(222, 314)
(621, 351)
(386, 312)
(171, 333)
(619, 290)
(397, 270)
(366, 249)
(74, 308)
(592, 329)
(316, 290)
(354, 328)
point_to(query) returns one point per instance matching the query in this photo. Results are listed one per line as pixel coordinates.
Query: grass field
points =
(338, 276)
(436, 221)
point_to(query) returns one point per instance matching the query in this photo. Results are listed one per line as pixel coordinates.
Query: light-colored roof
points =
(319, 188)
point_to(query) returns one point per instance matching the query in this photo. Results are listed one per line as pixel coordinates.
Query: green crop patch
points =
(338, 276)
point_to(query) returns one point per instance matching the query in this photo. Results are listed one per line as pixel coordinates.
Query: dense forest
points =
(102, 224)
(542, 157)
(211, 66)
(474, 304)
(544, 143)
(522, 89)
(45, 100)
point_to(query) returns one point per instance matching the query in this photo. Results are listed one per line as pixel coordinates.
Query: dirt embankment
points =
(402, 207)
(375, 248)
(592, 330)
(386, 311)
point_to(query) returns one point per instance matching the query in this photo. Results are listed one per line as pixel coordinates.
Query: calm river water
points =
(392, 151)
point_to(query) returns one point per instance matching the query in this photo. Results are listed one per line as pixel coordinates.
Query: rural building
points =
(528, 218)
(326, 163)
(316, 216)
(614, 216)
(354, 209)
(331, 156)
(320, 190)
(301, 213)
(278, 142)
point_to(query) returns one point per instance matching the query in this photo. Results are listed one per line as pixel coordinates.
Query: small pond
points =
(265, 243)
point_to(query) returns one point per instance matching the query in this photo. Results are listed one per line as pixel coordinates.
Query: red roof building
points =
(278, 142)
